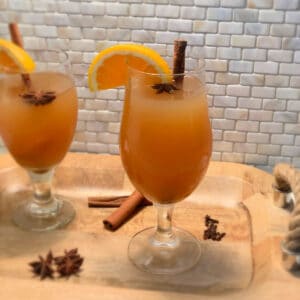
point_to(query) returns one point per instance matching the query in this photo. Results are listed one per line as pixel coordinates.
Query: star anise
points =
(38, 98)
(43, 267)
(68, 264)
(164, 87)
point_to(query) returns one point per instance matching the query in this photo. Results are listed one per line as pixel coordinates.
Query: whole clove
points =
(211, 230)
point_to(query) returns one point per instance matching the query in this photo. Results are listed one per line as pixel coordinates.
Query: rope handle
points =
(287, 179)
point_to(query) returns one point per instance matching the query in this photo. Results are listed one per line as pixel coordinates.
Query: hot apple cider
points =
(166, 139)
(37, 124)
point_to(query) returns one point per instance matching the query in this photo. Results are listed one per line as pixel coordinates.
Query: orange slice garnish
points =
(109, 68)
(13, 59)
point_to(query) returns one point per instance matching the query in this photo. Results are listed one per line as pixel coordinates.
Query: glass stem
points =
(43, 203)
(164, 233)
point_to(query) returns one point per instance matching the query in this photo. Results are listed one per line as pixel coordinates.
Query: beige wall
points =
(252, 53)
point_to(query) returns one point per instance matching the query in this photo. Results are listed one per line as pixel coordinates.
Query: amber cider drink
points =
(38, 136)
(165, 139)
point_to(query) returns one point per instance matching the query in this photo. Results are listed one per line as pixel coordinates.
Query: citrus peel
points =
(109, 68)
(13, 59)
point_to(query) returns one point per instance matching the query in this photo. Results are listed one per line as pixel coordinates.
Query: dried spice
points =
(164, 87)
(211, 231)
(179, 61)
(68, 264)
(16, 38)
(43, 267)
(38, 98)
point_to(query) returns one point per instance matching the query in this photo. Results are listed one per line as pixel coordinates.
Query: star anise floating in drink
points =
(38, 98)
(66, 265)
(164, 87)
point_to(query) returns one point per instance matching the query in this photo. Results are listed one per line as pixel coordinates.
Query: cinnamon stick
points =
(16, 37)
(179, 61)
(106, 201)
(15, 34)
(125, 211)
(112, 201)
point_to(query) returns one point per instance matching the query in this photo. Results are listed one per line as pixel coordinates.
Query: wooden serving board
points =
(247, 263)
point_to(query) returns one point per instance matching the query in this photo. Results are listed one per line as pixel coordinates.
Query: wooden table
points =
(247, 264)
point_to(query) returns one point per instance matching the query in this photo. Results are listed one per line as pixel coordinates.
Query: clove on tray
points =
(211, 230)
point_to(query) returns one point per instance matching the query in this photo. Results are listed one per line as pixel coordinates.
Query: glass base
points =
(156, 257)
(29, 217)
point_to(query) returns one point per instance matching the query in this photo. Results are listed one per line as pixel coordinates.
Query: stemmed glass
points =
(165, 146)
(37, 124)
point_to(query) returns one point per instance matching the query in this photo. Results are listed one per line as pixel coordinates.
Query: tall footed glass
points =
(165, 144)
(37, 124)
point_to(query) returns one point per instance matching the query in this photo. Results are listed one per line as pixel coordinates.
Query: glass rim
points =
(7, 71)
(196, 70)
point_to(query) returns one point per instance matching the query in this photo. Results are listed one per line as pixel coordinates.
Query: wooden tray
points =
(246, 263)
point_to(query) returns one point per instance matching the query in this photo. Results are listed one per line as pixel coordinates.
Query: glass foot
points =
(28, 217)
(161, 258)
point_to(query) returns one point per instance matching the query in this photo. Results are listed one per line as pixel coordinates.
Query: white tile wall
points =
(251, 49)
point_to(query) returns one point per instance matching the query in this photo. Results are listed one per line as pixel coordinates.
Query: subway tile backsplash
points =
(251, 49)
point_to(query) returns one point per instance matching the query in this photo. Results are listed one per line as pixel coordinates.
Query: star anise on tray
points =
(211, 231)
(38, 98)
(69, 264)
(164, 87)
(43, 267)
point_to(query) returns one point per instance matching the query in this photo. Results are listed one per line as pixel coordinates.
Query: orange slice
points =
(109, 68)
(13, 59)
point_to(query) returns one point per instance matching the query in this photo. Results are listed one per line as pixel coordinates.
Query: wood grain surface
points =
(246, 264)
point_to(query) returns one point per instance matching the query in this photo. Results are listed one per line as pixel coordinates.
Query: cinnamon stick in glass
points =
(16, 37)
(125, 211)
(179, 61)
